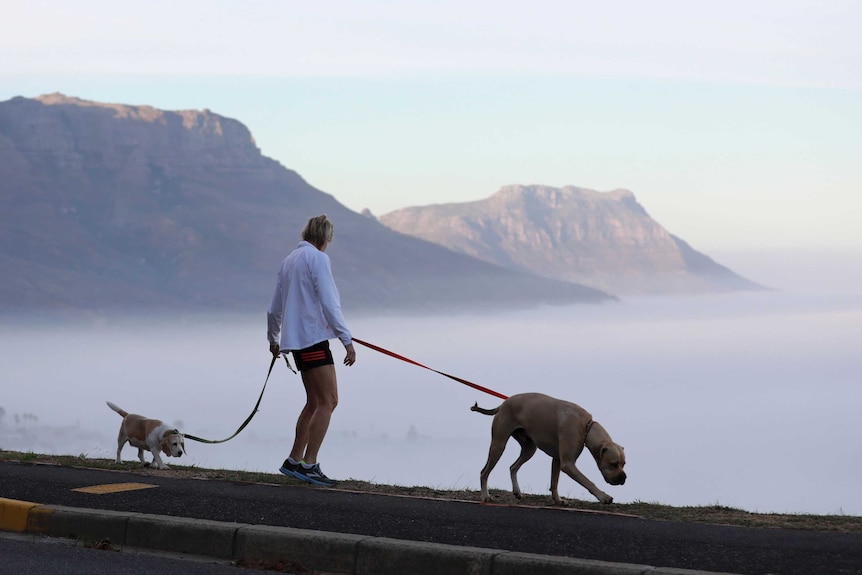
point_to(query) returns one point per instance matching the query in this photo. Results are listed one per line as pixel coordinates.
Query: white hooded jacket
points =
(305, 308)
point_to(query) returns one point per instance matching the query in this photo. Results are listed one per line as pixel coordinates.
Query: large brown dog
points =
(559, 428)
(149, 434)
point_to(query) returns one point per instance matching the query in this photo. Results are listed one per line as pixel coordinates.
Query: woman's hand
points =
(273, 349)
(350, 359)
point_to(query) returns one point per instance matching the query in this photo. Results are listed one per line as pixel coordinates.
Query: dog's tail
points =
(483, 410)
(117, 409)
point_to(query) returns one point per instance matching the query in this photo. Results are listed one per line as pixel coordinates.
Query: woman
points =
(306, 312)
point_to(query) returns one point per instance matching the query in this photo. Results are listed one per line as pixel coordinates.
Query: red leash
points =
(408, 360)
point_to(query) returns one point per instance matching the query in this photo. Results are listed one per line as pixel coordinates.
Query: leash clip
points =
(290, 367)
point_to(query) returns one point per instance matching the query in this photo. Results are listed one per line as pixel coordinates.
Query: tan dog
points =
(559, 428)
(149, 434)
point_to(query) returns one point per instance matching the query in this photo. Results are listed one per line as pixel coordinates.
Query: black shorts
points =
(314, 356)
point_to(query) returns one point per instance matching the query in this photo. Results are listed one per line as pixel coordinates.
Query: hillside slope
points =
(111, 207)
(606, 240)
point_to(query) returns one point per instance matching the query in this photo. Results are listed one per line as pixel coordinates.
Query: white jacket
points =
(306, 307)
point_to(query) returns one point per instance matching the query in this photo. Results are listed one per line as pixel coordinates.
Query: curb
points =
(14, 514)
(316, 551)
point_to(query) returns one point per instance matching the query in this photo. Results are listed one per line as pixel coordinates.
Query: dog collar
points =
(587, 432)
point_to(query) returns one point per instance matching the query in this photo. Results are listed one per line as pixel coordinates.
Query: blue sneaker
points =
(289, 468)
(313, 475)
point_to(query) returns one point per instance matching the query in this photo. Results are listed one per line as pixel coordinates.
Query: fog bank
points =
(748, 400)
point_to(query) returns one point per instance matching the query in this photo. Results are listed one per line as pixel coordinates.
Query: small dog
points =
(149, 434)
(559, 428)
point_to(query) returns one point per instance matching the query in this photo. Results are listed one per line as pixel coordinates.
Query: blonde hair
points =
(318, 231)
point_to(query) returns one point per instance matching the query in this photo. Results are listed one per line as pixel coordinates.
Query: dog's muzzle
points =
(615, 478)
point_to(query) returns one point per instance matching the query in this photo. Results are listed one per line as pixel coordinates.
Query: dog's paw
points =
(146, 463)
(606, 499)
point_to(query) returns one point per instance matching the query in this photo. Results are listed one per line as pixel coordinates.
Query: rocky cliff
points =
(118, 207)
(606, 240)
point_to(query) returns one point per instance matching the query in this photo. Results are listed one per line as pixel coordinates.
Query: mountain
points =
(605, 240)
(112, 207)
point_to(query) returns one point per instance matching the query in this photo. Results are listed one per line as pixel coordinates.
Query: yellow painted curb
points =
(14, 514)
(40, 519)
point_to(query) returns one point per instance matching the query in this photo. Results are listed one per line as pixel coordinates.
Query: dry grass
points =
(715, 514)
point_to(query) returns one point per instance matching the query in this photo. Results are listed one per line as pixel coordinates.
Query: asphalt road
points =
(547, 531)
(25, 554)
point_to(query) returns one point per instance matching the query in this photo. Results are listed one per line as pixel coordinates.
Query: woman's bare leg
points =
(321, 390)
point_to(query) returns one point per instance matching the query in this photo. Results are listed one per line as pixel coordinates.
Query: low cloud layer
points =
(744, 400)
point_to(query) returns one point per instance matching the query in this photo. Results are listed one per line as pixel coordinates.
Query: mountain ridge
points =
(603, 239)
(111, 207)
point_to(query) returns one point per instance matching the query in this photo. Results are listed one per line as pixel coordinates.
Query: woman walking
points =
(305, 313)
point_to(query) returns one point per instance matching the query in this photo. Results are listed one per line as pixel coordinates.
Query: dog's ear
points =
(166, 446)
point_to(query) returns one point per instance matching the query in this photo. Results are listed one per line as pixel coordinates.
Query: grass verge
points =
(716, 514)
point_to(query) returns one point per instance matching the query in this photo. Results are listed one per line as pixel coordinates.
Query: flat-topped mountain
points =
(111, 207)
(606, 240)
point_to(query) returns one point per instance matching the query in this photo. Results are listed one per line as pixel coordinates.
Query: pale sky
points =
(737, 124)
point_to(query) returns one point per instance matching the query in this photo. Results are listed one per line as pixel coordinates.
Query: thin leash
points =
(408, 360)
(255, 410)
(359, 341)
